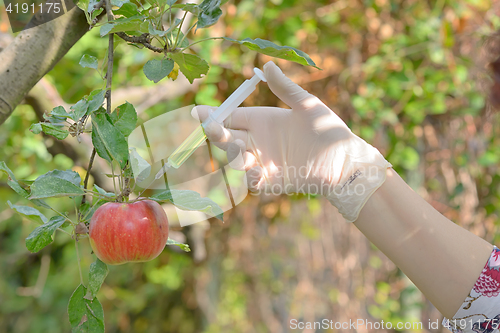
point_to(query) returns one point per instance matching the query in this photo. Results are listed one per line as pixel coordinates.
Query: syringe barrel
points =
(187, 147)
(233, 101)
(193, 141)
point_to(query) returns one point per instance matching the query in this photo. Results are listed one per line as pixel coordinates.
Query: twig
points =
(187, 32)
(97, 195)
(78, 258)
(201, 40)
(109, 75)
(179, 31)
(99, 5)
(87, 175)
(90, 210)
(63, 215)
(113, 172)
(109, 72)
(125, 191)
(143, 39)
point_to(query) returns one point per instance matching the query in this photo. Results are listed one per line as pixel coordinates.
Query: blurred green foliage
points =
(407, 76)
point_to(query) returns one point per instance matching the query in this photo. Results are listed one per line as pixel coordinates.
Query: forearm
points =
(441, 258)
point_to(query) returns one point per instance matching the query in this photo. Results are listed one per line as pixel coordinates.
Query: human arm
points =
(275, 144)
(441, 258)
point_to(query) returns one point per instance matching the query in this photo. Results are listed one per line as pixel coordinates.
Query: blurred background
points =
(410, 77)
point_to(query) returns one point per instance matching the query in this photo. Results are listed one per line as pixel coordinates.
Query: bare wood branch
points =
(142, 39)
(33, 53)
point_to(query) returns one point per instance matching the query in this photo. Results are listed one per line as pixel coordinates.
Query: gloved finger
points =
(238, 119)
(286, 90)
(239, 158)
(221, 136)
(201, 112)
(250, 160)
(254, 178)
(235, 152)
(273, 174)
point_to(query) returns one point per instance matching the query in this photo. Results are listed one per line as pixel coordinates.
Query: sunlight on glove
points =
(305, 149)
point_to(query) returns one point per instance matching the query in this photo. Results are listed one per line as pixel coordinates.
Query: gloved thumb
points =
(285, 89)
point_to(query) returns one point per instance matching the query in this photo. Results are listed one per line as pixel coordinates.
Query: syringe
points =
(193, 141)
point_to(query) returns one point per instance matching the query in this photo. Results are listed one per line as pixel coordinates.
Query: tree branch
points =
(142, 39)
(33, 53)
(111, 49)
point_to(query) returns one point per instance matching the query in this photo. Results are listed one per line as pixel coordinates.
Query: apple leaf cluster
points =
(153, 26)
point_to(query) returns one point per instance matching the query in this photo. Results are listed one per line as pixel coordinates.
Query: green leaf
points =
(84, 210)
(188, 7)
(106, 28)
(172, 37)
(184, 247)
(56, 131)
(55, 123)
(189, 200)
(269, 48)
(91, 6)
(97, 274)
(191, 65)
(69, 175)
(59, 111)
(209, 13)
(83, 5)
(155, 69)
(87, 210)
(134, 23)
(162, 196)
(36, 128)
(96, 13)
(12, 181)
(124, 118)
(43, 235)
(86, 316)
(171, 2)
(95, 100)
(128, 9)
(32, 213)
(140, 166)
(119, 3)
(88, 61)
(78, 110)
(53, 187)
(103, 191)
(154, 32)
(108, 141)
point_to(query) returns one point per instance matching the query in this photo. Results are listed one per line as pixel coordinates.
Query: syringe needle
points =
(163, 170)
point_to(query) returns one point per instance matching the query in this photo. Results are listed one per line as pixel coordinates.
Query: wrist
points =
(361, 176)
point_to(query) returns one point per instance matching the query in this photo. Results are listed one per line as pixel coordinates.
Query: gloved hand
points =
(305, 149)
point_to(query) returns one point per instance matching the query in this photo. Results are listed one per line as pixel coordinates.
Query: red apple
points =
(128, 232)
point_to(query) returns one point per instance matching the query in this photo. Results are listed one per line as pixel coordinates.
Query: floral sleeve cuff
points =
(480, 312)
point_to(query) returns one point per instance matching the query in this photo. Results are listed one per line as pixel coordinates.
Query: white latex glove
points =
(305, 149)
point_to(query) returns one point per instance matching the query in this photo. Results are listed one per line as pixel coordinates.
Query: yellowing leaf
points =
(174, 73)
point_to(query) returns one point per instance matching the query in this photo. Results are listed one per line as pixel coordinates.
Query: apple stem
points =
(124, 195)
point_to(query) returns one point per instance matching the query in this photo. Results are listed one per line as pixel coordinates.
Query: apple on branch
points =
(128, 232)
